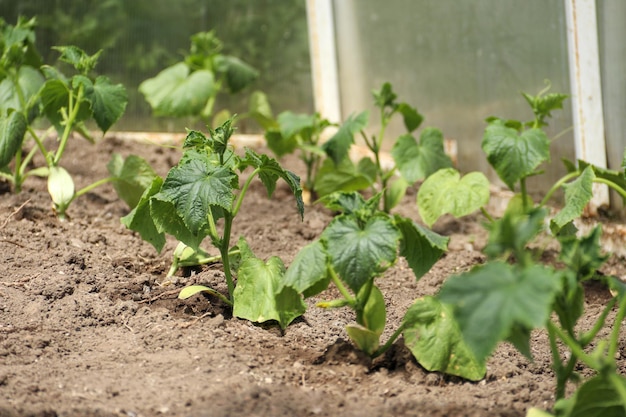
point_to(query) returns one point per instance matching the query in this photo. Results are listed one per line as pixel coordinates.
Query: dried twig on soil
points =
(17, 210)
(158, 297)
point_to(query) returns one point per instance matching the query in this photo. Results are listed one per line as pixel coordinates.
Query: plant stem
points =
(587, 337)
(224, 248)
(575, 348)
(557, 365)
(92, 186)
(342, 289)
(243, 191)
(524, 195)
(611, 184)
(558, 185)
(384, 348)
(485, 213)
(73, 107)
(614, 340)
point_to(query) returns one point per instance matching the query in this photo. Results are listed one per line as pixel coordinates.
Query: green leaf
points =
(108, 102)
(76, 57)
(490, 300)
(308, 272)
(256, 296)
(196, 185)
(166, 219)
(374, 316)
(140, 218)
(512, 155)
(133, 176)
(12, 131)
(615, 177)
(365, 339)
(577, 194)
(292, 124)
(445, 192)
(338, 145)
(260, 110)
(385, 97)
(352, 203)
(583, 255)
(61, 188)
(269, 173)
(175, 92)
(434, 338)
(192, 290)
(418, 161)
(55, 95)
(600, 396)
(29, 81)
(412, 119)
(395, 193)
(360, 251)
(513, 232)
(346, 176)
(421, 247)
(239, 75)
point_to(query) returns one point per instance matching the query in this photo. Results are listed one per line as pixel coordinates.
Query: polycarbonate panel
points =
(458, 62)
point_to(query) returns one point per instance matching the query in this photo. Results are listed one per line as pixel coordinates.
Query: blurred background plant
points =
(142, 37)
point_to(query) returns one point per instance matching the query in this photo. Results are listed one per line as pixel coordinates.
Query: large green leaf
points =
(338, 145)
(140, 219)
(346, 176)
(175, 92)
(416, 161)
(167, 220)
(577, 194)
(29, 81)
(600, 396)
(490, 301)
(196, 185)
(420, 246)
(411, 117)
(446, 192)
(433, 336)
(108, 102)
(133, 176)
(512, 155)
(361, 250)
(260, 110)
(513, 232)
(259, 295)
(76, 57)
(308, 272)
(55, 95)
(12, 131)
(291, 123)
(239, 75)
(583, 255)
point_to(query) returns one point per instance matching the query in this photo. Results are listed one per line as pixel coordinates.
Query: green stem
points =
(342, 289)
(619, 318)
(611, 184)
(384, 348)
(618, 385)
(224, 248)
(92, 186)
(575, 348)
(243, 191)
(18, 178)
(39, 141)
(485, 213)
(558, 185)
(73, 107)
(557, 365)
(524, 195)
(587, 337)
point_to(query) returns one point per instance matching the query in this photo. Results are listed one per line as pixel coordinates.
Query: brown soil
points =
(87, 329)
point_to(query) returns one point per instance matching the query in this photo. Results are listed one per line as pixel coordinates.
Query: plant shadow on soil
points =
(89, 328)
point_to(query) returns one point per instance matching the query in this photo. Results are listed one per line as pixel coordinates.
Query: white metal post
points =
(586, 89)
(324, 58)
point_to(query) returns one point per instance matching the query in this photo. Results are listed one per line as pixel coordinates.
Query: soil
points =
(88, 327)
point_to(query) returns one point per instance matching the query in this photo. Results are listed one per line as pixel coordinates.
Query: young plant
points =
(513, 294)
(190, 87)
(31, 91)
(413, 160)
(199, 199)
(358, 247)
(291, 132)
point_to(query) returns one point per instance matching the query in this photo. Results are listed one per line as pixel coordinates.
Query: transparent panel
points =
(458, 62)
(142, 37)
(612, 33)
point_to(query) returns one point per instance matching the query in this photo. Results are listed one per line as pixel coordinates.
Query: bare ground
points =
(88, 329)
